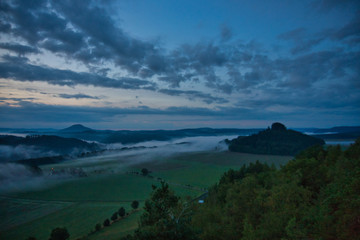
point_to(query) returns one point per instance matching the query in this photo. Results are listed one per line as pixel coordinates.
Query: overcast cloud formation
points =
(112, 64)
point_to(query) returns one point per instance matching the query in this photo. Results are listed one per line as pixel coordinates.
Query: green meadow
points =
(80, 203)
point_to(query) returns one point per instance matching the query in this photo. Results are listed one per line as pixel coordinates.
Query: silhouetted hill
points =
(127, 136)
(76, 128)
(342, 129)
(275, 141)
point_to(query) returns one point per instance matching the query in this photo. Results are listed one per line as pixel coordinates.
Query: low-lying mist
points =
(14, 153)
(17, 177)
(127, 155)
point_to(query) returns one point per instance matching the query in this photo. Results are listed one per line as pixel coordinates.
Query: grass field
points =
(117, 229)
(80, 203)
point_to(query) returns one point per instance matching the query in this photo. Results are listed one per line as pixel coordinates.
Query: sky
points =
(165, 64)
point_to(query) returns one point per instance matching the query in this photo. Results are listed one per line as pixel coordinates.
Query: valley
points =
(80, 203)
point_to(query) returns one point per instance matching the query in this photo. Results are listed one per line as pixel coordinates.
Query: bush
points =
(59, 234)
(135, 204)
(106, 222)
(145, 171)
(121, 212)
(114, 216)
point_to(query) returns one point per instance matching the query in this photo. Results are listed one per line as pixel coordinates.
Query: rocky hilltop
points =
(277, 140)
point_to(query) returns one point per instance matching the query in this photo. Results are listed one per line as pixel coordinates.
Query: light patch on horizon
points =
(44, 93)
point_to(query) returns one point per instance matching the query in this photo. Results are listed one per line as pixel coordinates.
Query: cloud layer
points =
(313, 70)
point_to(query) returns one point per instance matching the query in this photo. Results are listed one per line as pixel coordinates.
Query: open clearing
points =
(80, 203)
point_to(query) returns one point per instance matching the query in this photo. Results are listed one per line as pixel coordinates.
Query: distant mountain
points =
(275, 141)
(76, 128)
(128, 137)
(338, 133)
(343, 129)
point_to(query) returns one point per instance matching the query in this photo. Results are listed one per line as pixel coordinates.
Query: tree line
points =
(314, 196)
(61, 233)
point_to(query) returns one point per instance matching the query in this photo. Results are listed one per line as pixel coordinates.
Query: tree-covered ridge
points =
(276, 140)
(314, 196)
(49, 143)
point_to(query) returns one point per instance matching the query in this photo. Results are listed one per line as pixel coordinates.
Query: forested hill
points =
(136, 136)
(276, 140)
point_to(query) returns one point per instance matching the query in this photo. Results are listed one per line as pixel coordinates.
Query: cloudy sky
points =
(139, 64)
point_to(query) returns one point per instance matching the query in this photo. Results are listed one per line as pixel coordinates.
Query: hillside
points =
(16, 148)
(276, 140)
(341, 129)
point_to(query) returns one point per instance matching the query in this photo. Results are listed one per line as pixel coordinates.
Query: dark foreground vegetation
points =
(314, 196)
(276, 140)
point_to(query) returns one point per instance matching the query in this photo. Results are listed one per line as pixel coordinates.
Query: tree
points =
(165, 217)
(114, 216)
(106, 222)
(145, 171)
(59, 234)
(135, 204)
(121, 212)
(97, 227)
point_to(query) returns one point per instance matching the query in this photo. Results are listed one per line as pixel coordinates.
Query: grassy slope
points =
(204, 169)
(118, 229)
(81, 203)
(86, 201)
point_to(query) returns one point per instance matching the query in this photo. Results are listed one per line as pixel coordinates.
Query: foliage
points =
(59, 234)
(114, 216)
(135, 204)
(145, 171)
(314, 196)
(276, 141)
(165, 217)
(121, 212)
(106, 222)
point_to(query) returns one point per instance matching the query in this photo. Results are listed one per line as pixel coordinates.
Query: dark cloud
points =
(77, 96)
(50, 113)
(18, 48)
(64, 115)
(327, 5)
(15, 99)
(190, 94)
(19, 69)
(302, 40)
(226, 33)
(80, 30)
(350, 30)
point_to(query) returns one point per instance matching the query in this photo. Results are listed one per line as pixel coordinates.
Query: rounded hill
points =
(277, 140)
(76, 128)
